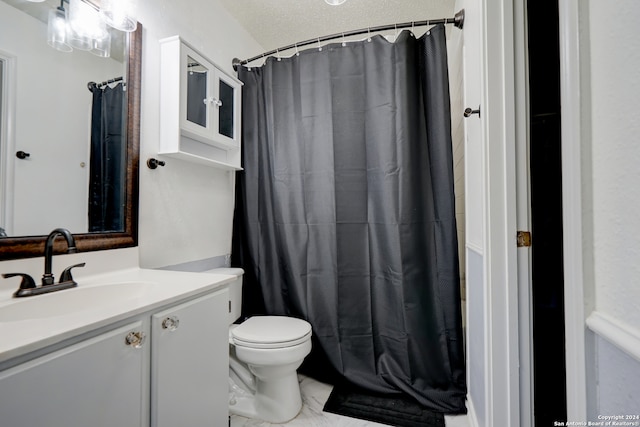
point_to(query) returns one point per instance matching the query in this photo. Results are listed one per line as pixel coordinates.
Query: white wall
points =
(52, 123)
(613, 45)
(456, 88)
(186, 209)
(473, 207)
(615, 83)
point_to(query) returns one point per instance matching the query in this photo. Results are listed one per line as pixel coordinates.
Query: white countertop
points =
(57, 316)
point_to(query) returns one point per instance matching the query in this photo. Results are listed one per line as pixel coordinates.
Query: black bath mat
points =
(399, 411)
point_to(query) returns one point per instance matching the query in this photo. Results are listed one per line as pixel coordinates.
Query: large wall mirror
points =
(69, 137)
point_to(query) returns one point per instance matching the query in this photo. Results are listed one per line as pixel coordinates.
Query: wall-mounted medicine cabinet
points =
(200, 107)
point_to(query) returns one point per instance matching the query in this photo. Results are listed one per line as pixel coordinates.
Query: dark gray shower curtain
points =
(345, 211)
(107, 159)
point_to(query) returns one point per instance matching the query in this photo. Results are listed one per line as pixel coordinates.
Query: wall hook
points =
(22, 155)
(154, 163)
(469, 111)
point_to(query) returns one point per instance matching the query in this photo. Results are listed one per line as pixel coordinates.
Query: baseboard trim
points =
(471, 414)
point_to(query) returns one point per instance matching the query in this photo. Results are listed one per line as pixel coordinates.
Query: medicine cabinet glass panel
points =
(225, 111)
(197, 81)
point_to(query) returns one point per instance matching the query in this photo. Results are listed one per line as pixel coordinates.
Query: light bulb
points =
(335, 2)
(102, 46)
(57, 30)
(119, 14)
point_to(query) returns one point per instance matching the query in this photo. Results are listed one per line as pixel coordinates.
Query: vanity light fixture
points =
(84, 25)
(335, 2)
(57, 29)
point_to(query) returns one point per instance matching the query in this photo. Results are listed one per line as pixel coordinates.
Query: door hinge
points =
(524, 239)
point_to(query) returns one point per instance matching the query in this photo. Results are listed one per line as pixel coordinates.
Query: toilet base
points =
(275, 401)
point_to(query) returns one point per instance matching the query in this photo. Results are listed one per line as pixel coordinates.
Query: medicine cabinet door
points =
(196, 119)
(227, 111)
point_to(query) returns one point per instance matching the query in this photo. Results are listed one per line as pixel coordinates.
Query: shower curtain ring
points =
(369, 33)
(344, 43)
(319, 47)
(297, 53)
(278, 53)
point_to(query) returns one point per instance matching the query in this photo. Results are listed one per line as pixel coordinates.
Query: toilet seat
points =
(271, 332)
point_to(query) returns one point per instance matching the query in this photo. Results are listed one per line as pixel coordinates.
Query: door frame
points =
(501, 261)
(7, 138)
(573, 107)
(507, 272)
(575, 104)
(523, 209)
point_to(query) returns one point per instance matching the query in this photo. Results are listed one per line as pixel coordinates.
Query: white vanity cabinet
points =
(200, 107)
(190, 363)
(98, 382)
(166, 367)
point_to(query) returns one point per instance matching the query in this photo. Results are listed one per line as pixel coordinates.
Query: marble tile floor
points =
(314, 396)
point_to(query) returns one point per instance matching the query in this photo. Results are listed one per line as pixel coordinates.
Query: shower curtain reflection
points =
(345, 212)
(108, 159)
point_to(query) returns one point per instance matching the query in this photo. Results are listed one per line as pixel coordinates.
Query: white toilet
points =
(264, 355)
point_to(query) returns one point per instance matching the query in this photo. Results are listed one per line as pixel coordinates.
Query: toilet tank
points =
(235, 290)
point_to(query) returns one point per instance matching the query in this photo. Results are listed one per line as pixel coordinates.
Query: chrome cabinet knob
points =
(211, 100)
(171, 323)
(135, 339)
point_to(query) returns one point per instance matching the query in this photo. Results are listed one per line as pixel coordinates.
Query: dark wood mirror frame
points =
(33, 246)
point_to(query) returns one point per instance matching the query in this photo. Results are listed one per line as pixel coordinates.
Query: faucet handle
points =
(66, 274)
(27, 281)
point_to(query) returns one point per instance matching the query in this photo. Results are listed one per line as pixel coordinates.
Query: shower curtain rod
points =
(104, 83)
(457, 21)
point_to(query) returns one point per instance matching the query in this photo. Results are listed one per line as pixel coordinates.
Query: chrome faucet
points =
(47, 277)
(28, 286)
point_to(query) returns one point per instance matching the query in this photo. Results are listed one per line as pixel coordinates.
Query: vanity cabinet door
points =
(98, 382)
(190, 363)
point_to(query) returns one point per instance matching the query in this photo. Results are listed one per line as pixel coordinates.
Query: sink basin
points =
(72, 301)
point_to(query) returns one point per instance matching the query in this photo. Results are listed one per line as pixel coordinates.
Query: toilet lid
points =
(271, 332)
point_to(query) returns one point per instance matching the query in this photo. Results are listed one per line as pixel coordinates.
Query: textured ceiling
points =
(277, 23)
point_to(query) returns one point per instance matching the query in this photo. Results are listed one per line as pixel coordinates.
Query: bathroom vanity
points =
(129, 349)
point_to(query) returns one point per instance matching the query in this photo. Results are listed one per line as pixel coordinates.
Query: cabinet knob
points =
(216, 102)
(135, 339)
(171, 323)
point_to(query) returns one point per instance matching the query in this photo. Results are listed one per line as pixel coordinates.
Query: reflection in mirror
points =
(76, 117)
(107, 156)
(196, 92)
(54, 123)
